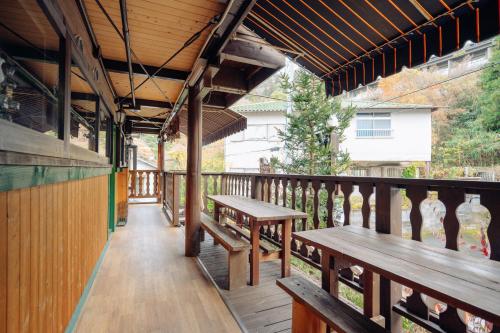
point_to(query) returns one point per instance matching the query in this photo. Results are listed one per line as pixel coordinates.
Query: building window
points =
(256, 132)
(372, 124)
(29, 56)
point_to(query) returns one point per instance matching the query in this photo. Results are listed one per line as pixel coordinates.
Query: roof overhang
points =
(352, 43)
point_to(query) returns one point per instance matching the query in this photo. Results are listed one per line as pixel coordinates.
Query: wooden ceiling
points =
(158, 30)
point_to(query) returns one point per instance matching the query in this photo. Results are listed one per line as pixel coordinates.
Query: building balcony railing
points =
(373, 133)
(455, 214)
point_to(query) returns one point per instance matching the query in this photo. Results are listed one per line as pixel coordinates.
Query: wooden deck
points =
(146, 284)
(259, 309)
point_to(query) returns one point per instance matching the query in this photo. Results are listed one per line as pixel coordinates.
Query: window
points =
(84, 108)
(256, 132)
(373, 124)
(29, 50)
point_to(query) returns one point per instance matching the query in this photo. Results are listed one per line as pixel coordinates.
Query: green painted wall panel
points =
(14, 177)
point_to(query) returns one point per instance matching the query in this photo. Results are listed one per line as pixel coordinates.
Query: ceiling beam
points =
(214, 100)
(248, 52)
(126, 101)
(115, 66)
(164, 73)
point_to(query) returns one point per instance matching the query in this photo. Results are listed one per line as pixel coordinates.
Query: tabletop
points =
(258, 210)
(469, 283)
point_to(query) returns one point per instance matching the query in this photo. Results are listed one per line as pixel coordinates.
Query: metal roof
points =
(375, 105)
(268, 106)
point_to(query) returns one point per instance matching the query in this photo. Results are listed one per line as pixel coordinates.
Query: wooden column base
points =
(305, 321)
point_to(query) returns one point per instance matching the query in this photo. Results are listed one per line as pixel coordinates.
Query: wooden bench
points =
(237, 248)
(270, 251)
(313, 309)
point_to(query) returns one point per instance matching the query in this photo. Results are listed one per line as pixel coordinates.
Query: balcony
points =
(449, 214)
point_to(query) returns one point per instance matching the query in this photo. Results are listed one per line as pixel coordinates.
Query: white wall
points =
(243, 155)
(410, 140)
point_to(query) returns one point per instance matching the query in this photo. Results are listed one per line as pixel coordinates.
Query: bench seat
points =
(313, 308)
(238, 251)
(264, 245)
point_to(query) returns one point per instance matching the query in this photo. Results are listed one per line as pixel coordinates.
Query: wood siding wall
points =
(51, 237)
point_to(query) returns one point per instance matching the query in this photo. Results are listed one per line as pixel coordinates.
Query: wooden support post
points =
(64, 91)
(286, 242)
(193, 174)
(388, 220)
(329, 277)
(371, 292)
(161, 195)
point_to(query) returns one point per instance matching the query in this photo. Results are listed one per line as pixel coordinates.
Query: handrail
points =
(395, 181)
(144, 184)
(330, 201)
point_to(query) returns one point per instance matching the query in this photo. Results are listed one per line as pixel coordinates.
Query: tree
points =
(472, 137)
(489, 100)
(307, 137)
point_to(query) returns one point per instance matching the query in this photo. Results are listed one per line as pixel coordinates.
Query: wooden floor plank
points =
(147, 284)
(265, 308)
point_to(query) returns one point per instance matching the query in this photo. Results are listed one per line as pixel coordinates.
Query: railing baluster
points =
(293, 185)
(451, 198)
(215, 184)
(316, 185)
(249, 187)
(156, 191)
(366, 190)
(303, 184)
(140, 183)
(330, 189)
(489, 199)
(416, 194)
(346, 188)
(269, 188)
(276, 190)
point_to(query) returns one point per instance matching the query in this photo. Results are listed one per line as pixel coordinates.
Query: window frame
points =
(370, 133)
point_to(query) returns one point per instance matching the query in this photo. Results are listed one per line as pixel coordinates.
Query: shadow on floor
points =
(264, 308)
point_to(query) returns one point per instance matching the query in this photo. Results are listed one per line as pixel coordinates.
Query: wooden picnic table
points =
(261, 213)
(462, 281)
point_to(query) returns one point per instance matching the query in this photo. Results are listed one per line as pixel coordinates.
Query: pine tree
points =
(307, 137)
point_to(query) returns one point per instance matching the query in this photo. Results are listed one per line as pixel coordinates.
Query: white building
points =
(385, 136)
(381, 138)
(260, 140)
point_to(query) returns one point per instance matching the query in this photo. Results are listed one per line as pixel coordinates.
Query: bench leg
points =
(237, 272)
(305, 321)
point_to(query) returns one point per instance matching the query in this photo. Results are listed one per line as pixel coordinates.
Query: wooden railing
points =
(458, 215)
(144, 184)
